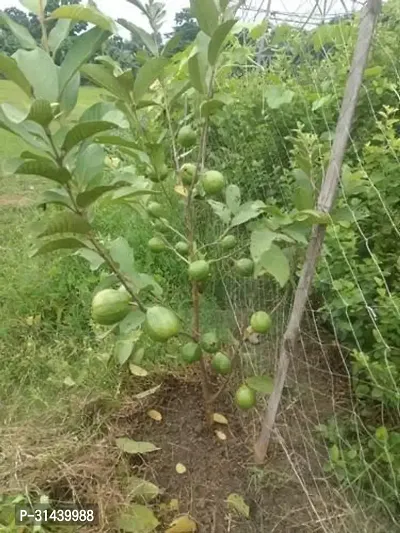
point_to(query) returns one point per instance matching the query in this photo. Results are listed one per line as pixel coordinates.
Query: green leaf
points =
(297, 232)
(123, 350)
(122, 254)
(102, 77)
(171, 44)
(321, 102)
(217, 40)
(68, 243)
(141, 490)
(334, 453)
(45, 169)
(263, 384)
(41, 112)
(261, 241)
(135, 447)
(34, 6)
(146, 75)
(233, 198)
(316, 217)
(40, 71)
(83, 48)
(206, 13)
(69, 96)
(66, 222)
(115, 140)
(278, 96)
(57, 197)
(210, 107)
(20, 32)
(97, 112)
(221, 210)
(93, 258)
(197, 73)
(138, 519)
(303, 195)
(132, 322)
(144, 37)
(248, 211)
(87, 14)
(275, 262)
(89, 163)
(382, 434)
(139, 5)
(86, 198)
(237, 503)
(83, 131)
(58, 34)
(10, 70)
(259, 30)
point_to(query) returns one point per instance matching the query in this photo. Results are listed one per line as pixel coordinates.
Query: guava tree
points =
(155, 125)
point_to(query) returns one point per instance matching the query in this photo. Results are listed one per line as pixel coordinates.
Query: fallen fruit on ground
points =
(161, 323)
(182, 248)
(199, 270)
(260, 322)
(228, 242)
(187, 173)
(155, 209)
(245, 397)
(156, 245)
(244, 267)
(186, 137)
(210, 342)
(191, 352)
(110, 306)
(221, 364)
(213, 182)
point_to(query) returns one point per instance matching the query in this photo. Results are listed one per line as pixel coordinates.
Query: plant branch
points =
(43, 28)
(171, 130)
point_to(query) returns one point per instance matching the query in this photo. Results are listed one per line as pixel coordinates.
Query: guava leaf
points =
(58, 34)
(122, 254)
(41, 72)
(233, 198)
(247, 212)
(206, 14)
(146, 75)
(135, 447)
(145, 37)
(237, 503)
(46, 169)
(20, 32)
(221, 210)
(85, 13)
(66, 222)
(142, 490)
(59, 244)
(217, 40)
(275, 262)
(197, 73)
(263, 384)
(102, 77)
(83, 131)
(137, 519)
(123, 350)
(10, 69)
(93, 258)
(132, 321)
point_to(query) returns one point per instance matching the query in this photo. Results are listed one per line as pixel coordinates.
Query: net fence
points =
(336, 443)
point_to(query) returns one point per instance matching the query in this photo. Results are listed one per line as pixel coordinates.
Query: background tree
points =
(186, 25)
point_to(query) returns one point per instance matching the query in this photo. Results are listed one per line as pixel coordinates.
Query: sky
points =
(123, 9)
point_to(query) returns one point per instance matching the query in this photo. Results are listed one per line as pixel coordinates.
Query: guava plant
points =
(155, 125)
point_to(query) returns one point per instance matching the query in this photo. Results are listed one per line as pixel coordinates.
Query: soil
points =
(14, 200)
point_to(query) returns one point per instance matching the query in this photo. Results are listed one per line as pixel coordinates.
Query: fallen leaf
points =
(237, 503)
(137, 370)
(263, 384)
(155, 415)
(254, 338)
(220, 434)
(180, 468)
(148, 392)
(180, 189)
(183, 524)
(219, 419)
(134, 447)
(142, 490)
(138, 519)
(29, 320)
(69, 382)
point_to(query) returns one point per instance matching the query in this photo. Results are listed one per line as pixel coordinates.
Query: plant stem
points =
(43, 28)
(171, 130)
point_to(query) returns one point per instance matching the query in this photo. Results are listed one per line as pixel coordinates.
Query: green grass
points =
(10, 145)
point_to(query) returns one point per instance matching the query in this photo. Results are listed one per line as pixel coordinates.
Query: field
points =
(64, 401)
